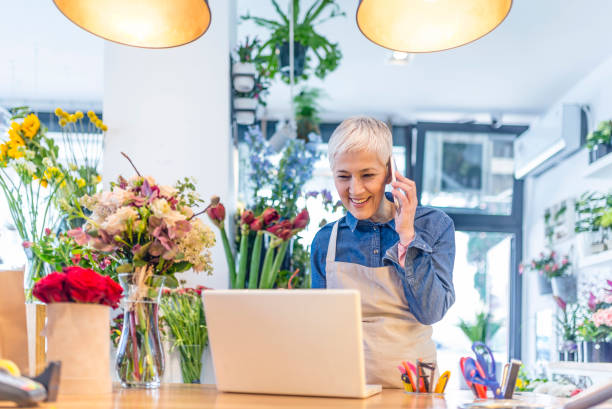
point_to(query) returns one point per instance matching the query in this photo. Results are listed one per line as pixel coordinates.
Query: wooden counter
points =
(180, 396)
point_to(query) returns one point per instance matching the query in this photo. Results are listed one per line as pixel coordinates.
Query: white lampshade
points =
(421, 26)
(140, 23)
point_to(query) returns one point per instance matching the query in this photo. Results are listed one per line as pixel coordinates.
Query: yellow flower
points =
(63, 122)
(104, 128)
(72, 118)
(16, 126)
(58, 111)
(78, 114)
(98, 178)
(14, 152)
(30, 125)
(91, 114)
(81, 182)
(15, 138)
(44, 183)
(98, 123)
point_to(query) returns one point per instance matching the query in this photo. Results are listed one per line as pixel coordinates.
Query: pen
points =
(442, 381)
(407, 367)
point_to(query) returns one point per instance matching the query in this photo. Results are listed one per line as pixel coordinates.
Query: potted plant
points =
(307, 112)
(274, 52)
(548, 266)
(244, 70)
(593, 219)
(566, 329)
(599, 141)
(483, 328)
(596, 329)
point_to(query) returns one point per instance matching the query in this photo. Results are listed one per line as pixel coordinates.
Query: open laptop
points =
(288, 342)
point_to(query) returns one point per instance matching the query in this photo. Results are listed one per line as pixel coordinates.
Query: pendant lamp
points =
(140, 23)
(422, 26)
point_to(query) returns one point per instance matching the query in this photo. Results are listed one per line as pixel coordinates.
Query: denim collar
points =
(352, 221)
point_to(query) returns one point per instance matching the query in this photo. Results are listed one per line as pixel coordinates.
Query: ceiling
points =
(519, 70)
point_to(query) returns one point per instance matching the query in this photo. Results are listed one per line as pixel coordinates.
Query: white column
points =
(169, 110)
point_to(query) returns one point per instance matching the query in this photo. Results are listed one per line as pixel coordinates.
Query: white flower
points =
(29, 154)
(167, 191)
(160, 207)
(30, 167)
(116, 222)
(47, 162)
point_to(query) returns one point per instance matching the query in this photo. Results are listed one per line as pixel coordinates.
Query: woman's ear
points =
(388, 173)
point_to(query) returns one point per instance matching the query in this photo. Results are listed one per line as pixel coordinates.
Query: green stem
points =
(265, 271)
(229, 256)
(280, 255)
(254, 272)
(244, 257)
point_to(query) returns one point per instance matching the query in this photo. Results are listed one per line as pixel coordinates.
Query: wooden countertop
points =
(180, 396)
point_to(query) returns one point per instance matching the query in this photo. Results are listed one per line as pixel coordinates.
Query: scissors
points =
(485, 369)
(470, 369)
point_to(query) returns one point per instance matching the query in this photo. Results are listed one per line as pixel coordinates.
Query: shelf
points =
(593, 369)
(596, 259)
(601, 168)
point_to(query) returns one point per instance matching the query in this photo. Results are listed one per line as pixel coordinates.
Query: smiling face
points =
(360, 180)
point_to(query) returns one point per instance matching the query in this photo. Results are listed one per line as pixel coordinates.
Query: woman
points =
(400, 258)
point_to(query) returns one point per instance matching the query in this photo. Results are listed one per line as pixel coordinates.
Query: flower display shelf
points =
(600, 169)
(597, 371)
(605, 257)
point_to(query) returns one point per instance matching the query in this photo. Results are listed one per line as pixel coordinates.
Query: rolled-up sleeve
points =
(427, 274)
(317, 262)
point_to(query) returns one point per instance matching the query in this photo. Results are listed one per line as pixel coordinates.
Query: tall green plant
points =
(483, 329)
(327, 53)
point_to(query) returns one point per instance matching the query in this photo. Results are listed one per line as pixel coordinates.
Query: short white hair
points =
(361, 133)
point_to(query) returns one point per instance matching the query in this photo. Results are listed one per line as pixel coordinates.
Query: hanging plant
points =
(307, 112)
(274, 53)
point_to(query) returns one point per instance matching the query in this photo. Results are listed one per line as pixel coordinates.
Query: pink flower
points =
(562, 304)
(603, 317)
(80, 237)
(47, 231)
(547, 268)
(283, 230)
(521, 268)
(565, 261)
(592, 303)
(27, 244)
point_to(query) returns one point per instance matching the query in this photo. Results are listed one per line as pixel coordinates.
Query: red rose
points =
(51, 288)
(301, 220)
(112, 294)
(85, 285)
(270, 215)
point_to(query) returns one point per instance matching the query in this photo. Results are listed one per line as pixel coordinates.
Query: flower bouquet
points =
(183, 314)
(279, 232)
(77, 326)
(30, 176)
(151, 231)
(548, 267)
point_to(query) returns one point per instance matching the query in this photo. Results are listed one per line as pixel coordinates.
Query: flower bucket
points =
(599, 151)
(564, 287)
(544, 285)
(599, 351)
(78, 336)
(244, 76)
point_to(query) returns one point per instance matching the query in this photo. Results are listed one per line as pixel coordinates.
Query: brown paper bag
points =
(78, 335)
(13, 328)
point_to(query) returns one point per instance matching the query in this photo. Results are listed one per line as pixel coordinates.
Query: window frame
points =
(466, 221)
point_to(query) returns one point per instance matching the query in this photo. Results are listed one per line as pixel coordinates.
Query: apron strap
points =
(331, 248)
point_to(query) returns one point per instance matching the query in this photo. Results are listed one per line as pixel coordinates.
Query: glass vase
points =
(191, 362)
(35, 269)
(140, 356)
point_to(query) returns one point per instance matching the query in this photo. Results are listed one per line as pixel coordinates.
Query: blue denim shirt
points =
(428, 273)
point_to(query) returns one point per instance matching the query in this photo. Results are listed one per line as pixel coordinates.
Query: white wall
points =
(565, 181)
(169, 111)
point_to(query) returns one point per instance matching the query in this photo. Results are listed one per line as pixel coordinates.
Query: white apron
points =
(391, 334)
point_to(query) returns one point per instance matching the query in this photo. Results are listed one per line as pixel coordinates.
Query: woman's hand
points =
(404, 190)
